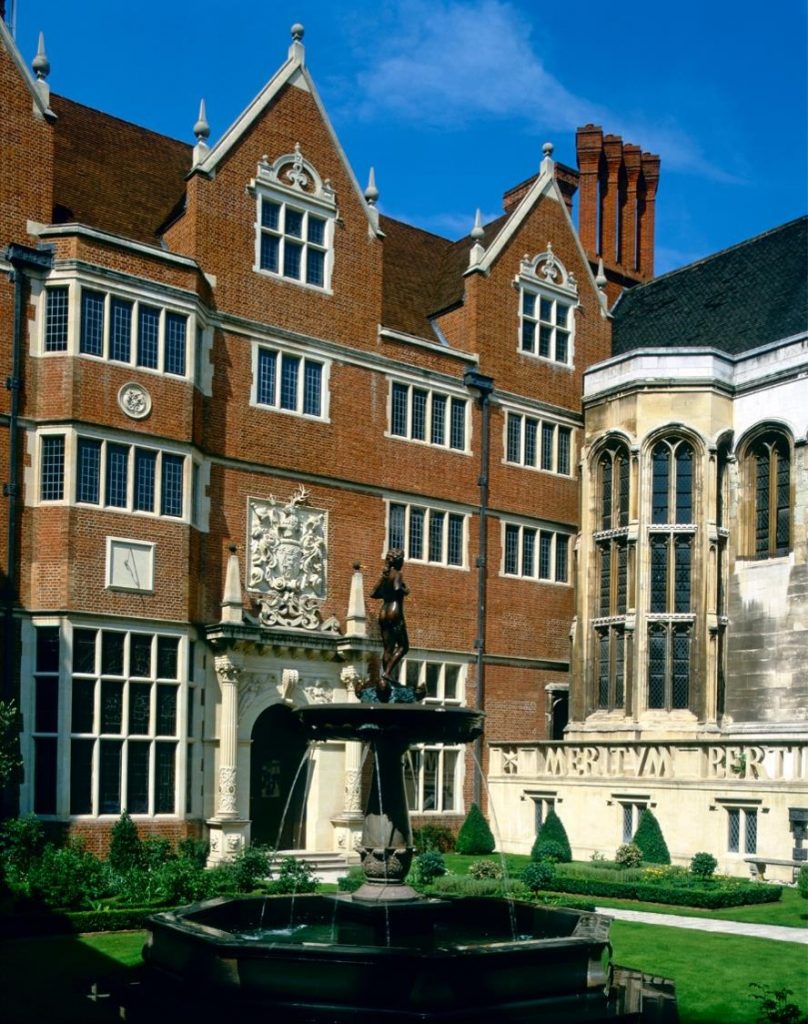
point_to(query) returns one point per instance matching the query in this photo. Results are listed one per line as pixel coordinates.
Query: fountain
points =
(386, 953)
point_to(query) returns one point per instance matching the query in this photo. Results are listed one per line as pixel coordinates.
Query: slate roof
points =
(114, 175)
(743, 297)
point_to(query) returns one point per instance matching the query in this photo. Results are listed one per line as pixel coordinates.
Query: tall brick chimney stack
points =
(618, 185)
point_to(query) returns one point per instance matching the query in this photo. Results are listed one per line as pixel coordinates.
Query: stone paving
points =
(704, 924)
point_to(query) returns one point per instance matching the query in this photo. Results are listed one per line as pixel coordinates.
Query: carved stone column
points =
(228, 831)
(348, 824)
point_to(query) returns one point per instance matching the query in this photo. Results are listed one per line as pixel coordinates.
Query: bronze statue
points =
(391, 590)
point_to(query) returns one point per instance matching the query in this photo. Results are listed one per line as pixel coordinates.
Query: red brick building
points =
(231, 380)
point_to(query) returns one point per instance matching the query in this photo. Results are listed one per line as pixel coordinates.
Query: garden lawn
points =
(712, 972)
(47, 980)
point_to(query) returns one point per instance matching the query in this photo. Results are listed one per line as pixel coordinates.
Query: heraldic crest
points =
(288, 560)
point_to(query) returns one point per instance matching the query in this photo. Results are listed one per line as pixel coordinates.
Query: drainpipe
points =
(22, 259)
(481, 387)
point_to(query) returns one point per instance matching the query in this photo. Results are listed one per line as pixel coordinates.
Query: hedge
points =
(648, 892)
(19, 926)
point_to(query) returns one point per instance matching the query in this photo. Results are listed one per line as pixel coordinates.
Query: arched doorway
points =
(278, 746)
(559, 713)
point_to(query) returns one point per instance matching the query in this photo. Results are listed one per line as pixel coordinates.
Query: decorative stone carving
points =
(226, 671)
(227, 789)
(135, 401)
(349, 677)
(287, 561)
(353, 788)
(318, 694)
(292, 171)
(251, 687)
(547, 268)
(290, 677)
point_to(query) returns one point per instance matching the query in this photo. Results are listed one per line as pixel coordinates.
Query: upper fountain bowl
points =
(407, 723)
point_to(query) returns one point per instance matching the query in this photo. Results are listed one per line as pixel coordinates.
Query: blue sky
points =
(451, 100)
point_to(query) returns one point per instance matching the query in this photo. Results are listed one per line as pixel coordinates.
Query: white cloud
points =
(447, 63)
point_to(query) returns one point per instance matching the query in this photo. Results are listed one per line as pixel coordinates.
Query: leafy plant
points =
(802, 881)
(703, 864)
(155, 851)
(552, 843)
(193, 850)
(10, 758)
(538, 876)
(351, 881)
(650, 840)
(250, 866)
(294, 876)
(22, 841)
(125, 846)
(775, 1005)
(428, 866)
(629, 855)
(485, 869)
(434, 837)
(475, 836)
(68, 877)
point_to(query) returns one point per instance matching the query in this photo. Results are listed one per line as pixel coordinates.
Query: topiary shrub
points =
(125, 847)
(538, 876)
(703, 865)
(475, 837)
(650, 840)
(485, 869)
(428, 866)
(552, 843)
(629, 855)
(802, 881)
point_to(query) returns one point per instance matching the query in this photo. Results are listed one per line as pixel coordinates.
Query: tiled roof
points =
(739, 299)
(114, 175)
(423, 274)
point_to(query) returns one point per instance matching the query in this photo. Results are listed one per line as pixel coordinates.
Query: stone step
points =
(327, 866)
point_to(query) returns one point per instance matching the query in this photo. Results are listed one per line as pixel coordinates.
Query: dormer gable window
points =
(295, 215)
(547, 303)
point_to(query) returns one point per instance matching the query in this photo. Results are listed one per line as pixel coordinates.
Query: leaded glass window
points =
(56, 319)
(287, 382)
(427, 534)
(771, 461)
(421, 414)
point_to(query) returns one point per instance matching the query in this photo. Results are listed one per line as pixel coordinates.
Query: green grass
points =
(712, 972)
(48, 979)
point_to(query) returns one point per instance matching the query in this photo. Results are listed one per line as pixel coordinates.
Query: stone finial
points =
(371, 197)
(40, 63)
(547, 163)
(601, 281)
(355, 621)
(297, 50)
(202, 128)
(477, 250)
(232, 609)
(371, 192)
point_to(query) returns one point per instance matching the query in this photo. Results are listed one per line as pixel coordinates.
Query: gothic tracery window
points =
(769, 465)
(612, 596)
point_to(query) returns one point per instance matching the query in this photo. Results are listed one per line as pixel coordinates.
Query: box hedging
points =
(684, 896)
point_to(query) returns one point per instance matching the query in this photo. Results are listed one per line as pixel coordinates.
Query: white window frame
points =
(541, 424)
(188, 745)
(414, 774)
(533, 572)
(431, 394)
(428, 510)
(415, 670)
(70, 479)
(545, 277)
(154, 300)
(292, 182)
(285, 352)
(744, 811)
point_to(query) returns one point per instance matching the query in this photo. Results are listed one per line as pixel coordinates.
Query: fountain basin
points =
(329, 958)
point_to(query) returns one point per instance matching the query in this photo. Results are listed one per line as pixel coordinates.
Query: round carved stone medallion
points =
(135, 400)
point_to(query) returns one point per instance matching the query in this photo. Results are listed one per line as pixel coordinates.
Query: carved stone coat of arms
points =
(287, 564)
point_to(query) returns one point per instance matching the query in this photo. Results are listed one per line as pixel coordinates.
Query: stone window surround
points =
(156, 299)
(188, 747)
(545, 277)
(412, 385)
(307, 356)
(747, 504)
(509, 525)
(541, 422)
(428, 508)
(131, 441)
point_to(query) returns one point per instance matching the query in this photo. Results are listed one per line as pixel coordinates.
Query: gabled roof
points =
(749, 295)
(114, 175)
(423, 274)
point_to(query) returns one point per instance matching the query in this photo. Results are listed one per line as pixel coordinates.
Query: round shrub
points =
(539, 876)
(552, 843)
(485, 869)
(428, 866)
(548, 851)
(294, 876)
(351, 881)
(802, 881)
(475, 837)
(68, 877)
(650, 840)
(703, 865)
(250, 866)
(629, 855)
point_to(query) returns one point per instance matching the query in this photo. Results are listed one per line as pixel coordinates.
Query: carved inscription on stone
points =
(287, 560)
